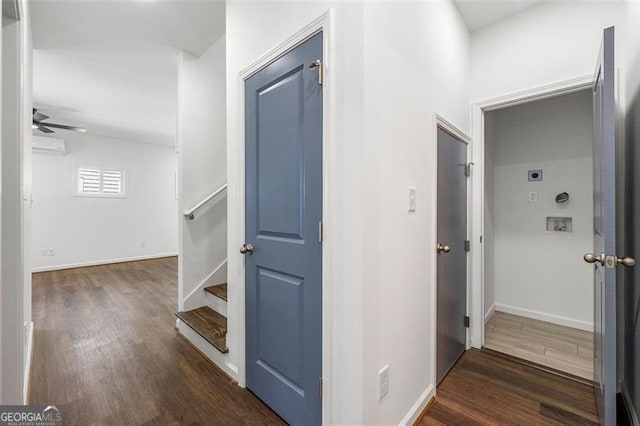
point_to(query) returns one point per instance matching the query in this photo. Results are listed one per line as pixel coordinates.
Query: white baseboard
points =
(102, 262)
(490, 312)
(217, 357)
(27, 365)
(420, 405)
(629, 403)
(197, 296)
(542, 316)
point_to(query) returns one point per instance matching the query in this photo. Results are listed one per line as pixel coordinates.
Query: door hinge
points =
(318, 64)
(466, 321)
(467, 169)
(320, 231)
(320, 387)
(467, 245)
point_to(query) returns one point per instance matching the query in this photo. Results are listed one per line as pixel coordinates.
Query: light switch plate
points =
(412, 199)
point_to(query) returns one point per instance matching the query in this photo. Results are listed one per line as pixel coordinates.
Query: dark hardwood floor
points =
(107, 351)
(487, 389)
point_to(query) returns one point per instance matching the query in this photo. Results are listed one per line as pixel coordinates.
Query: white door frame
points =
(323, 23)
(440, 122)
(477, 313)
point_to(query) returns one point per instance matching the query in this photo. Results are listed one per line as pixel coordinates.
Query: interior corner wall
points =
(11, 271)
(548, 43)
(631, 288)
(27, 185)
(202, 148)
(90, 230)
(489, 215)
(554, 135)
(416, 64)
(254, 28)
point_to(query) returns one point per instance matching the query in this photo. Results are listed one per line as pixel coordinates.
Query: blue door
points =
(283, 251)
(604, 232)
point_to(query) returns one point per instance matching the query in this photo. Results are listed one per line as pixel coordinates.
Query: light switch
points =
(533, 197)
(412, 199)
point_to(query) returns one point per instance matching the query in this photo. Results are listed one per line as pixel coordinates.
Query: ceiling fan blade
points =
(38, 116)
(62, 126)
(44, 129)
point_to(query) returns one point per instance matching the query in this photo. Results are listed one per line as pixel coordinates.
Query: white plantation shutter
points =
(89, 180)
(112, 182)
(94, 181)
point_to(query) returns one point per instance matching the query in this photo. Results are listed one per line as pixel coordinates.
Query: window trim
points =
(102, 169)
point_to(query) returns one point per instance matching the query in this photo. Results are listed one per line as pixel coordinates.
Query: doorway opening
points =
(538, 222)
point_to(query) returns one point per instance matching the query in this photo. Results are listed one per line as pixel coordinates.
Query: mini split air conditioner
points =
(42, 145)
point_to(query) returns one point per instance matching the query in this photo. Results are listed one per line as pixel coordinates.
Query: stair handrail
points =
(191, 213)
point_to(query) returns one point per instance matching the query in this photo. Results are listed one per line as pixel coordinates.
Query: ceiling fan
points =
(37, 123)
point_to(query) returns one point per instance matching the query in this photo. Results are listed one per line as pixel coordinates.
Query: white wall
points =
(416, 63)
(548, 43)
(27, 185)
(202, 152)
(537, 272)
(15, 284)
(89, 230)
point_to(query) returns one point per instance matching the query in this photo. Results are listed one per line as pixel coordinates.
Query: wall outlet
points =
(52, 252)
(533, 197)
(44, 252)
(143, 244)
(383, 377)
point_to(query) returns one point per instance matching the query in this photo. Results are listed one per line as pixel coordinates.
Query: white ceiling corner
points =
(478, 14)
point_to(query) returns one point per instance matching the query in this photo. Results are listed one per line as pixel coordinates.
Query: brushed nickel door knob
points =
(440, 248)
(246, 249)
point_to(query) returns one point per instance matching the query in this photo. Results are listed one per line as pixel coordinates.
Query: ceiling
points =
(478, 14)
(111, 65)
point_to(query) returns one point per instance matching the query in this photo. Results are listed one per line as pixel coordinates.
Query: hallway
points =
(107, 351)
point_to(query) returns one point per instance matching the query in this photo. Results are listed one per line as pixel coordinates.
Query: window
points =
(99, 182)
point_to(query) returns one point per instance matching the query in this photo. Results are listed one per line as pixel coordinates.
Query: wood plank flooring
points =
(484, 388)
(562, 348)
(106, 349)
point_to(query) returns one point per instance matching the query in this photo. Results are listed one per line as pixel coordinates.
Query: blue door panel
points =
(279, 303)
(280, 157)
(283, 166)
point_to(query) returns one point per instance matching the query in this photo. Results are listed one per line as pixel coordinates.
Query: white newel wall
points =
(87, 230)
(202, 170)
(541, 273)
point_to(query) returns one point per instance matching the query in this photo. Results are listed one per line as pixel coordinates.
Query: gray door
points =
(452, 257)
(604, 232)
(283, 252)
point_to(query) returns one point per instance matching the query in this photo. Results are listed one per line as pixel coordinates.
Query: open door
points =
(604, 232)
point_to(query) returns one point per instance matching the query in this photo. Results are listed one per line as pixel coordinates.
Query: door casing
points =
(324, 24)
(440, 122)
(476, 229)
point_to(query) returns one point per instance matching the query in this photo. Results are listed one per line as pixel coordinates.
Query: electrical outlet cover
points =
(535, 175)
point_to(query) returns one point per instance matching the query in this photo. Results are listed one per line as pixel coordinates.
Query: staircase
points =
(209, 321)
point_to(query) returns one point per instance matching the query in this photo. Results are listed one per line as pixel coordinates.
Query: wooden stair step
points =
(219, 290)
(209, 324)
